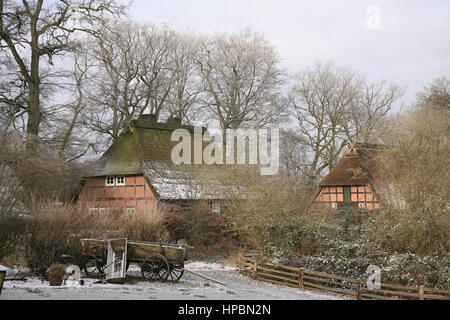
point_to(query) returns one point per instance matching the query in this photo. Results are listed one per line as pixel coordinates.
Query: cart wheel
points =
(154, 267)
(176, 272)
(96, 260)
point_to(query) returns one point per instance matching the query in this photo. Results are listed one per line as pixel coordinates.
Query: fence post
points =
(421, 292)
(255, 269)
(301, 279)
(358, 290)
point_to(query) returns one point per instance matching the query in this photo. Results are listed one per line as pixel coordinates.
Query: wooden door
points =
(347, 194)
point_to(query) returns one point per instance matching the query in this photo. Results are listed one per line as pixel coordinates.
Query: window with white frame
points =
(115, 181)
(110, 181)
(130, 210)
(93, 210)
(361, 205)
(185, 209)
(120, 180)
(102, 210)
(216, 207)
(334, 205)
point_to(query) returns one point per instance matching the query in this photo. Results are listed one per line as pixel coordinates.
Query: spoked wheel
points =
(96, 260)
(176, 272)
(155, 267)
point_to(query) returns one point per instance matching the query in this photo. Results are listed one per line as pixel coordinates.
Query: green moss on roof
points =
(123, 157)
(156, 144)
(137, 145)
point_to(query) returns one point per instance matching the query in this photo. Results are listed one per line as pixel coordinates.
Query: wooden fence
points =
(318, 281)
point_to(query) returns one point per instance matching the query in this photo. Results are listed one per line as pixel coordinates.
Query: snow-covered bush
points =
(408, 268)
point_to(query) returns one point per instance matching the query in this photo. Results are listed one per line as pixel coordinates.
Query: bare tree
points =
(30, 31)
(64, 122)
(33, 35)
(13, 93)
(115, 94)
(334, 106)
(158, 72)
(241, 79)
(436, 94)
(320, 99)
(368, 118)
(140, 68)
(186, 84)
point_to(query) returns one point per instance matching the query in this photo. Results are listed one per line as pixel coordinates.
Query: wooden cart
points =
(2, 279)
(158, 260)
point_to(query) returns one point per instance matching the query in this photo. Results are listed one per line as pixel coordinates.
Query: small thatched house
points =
(137, 172)
(352, 181)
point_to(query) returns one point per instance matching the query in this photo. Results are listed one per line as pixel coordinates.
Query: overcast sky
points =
(410, 45)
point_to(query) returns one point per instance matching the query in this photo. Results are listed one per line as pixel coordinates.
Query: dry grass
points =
(144, 225)
(54, 229)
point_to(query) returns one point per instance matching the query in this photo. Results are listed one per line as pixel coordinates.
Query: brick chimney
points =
(147, 118)
(174, 121)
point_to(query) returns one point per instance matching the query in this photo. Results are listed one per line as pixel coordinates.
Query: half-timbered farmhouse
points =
(136, 173)
(352, 181)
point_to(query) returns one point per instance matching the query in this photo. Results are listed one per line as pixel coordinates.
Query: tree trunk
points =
(34, 117)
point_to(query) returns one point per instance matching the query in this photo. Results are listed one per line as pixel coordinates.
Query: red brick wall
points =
(135, 194)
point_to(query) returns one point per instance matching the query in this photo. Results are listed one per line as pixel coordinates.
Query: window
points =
(334, 205)
(216, 207)
(361, 205)
(93, 210)
(120, 181)
(109, 181)
(115, 181)
(186, 209)
(102, 210)
(130, 210)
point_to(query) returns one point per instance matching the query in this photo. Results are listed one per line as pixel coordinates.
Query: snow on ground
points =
(3, 268)
(238, 287)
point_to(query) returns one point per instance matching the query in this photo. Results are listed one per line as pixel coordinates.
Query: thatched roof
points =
(141, 142)
(357, 167)
(145, 148)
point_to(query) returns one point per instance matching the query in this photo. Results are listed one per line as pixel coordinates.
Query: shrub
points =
(271, 210)
(202, 229)
(11, 213)
(56, 273)
(12, 227)
(414, 180)
(145, 225)
(422, 231)
(47, 235)
(56, 229)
